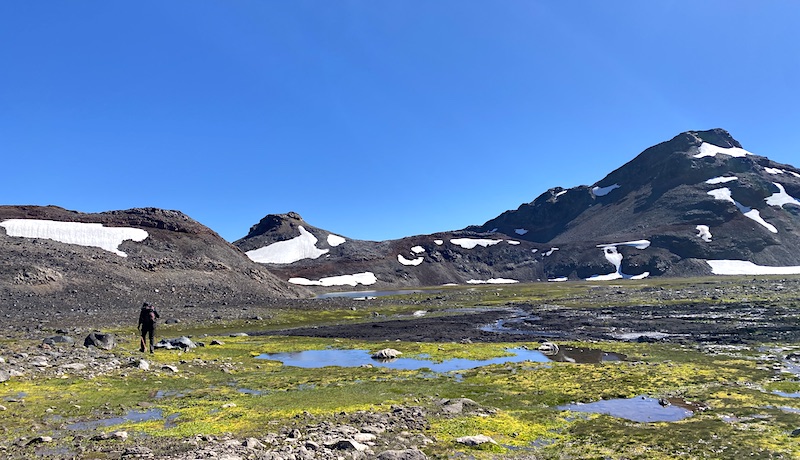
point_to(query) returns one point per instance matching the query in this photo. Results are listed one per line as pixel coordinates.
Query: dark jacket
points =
(148, 316)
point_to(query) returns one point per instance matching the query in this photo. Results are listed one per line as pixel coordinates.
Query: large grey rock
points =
(100, 340)
(183, 343)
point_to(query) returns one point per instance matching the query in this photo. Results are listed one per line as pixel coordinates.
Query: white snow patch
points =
(711, 150)
(80, 233)
(521, 231)
(724, 194)
(774, 171)
(335, 240)
(613, 256)
(794, 173)
(721, 180)
(704, 232)
(413, 262)
(781, 198)
(365, 278)
(561, 193)
(638, 244)
(550, 252)
(558, 280)
(603, 191)
(534, 250)
(493, 281)
(417, 249)
(512, 242)
(745, 267)
(438, 242)
(288, 251)
(470, 243)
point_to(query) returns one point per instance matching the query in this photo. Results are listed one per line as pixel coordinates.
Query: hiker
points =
(147, 324)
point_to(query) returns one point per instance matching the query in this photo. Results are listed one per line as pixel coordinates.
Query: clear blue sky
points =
(374, 119)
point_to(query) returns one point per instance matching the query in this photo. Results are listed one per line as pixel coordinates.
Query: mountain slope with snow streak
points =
(678, 207)
(119, 259)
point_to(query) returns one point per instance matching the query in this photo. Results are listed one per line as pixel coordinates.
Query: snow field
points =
(79, 233)
(288, 251)
(603, 191)
(711, 150)
(745, 267)
(613, 256)
(781, 198)
(365, 278)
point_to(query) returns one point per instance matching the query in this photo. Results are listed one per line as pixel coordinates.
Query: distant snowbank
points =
(365, 278)
(745, 267)
(704, 233)
(603, 191)
(721, 180)
(781, 198)
(335, 240)
(413, 262)
(470, 243)
(493, 281)
(711, 150)
(724, 194)
(80, 233)
(289, 251)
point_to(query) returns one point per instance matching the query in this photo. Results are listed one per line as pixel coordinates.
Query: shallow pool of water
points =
(638, 409)
(356, 358)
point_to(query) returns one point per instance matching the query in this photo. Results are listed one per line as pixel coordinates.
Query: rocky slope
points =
(695, 205)
(105, 263)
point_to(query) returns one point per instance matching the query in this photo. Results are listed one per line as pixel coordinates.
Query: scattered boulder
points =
(349, 444)
(137, 452)
(56, 339)
(4, 376)
(548, 348)
(476, 440)
(407, 454)
(100, 340)
(183, 343)
(386, 353)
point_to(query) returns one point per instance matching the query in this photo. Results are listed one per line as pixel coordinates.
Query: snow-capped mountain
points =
(695, 205)
(68, 259)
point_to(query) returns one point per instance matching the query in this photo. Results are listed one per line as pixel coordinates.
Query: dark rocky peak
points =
(163, 219)
(281, 223)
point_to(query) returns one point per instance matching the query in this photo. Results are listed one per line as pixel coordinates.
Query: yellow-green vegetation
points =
(227, 389)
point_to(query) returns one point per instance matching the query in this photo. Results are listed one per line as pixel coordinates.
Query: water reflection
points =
(638, 409)
(356, 358)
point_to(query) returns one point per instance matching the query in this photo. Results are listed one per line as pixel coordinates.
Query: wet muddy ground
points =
(729, 323)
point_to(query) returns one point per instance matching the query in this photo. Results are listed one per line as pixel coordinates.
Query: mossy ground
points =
(225, 389)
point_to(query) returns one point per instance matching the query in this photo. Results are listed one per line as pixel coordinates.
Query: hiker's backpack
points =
(151, 314)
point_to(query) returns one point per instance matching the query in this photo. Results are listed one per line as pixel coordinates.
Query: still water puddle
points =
(638, 409)
(130, 416)
(358, 358)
